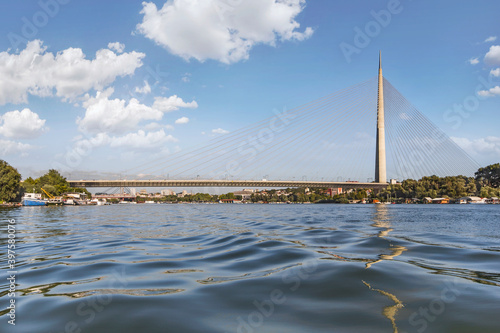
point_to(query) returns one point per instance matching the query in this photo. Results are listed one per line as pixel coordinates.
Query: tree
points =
(53, 182)
(489, 175)
(10, 182)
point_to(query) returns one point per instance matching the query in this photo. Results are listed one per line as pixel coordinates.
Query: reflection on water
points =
(389, 311)
(381, 219)
(256, 268)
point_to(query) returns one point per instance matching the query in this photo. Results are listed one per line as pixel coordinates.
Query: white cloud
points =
(8, 147)
(483, 146)
(490, 39)
(146, 89)
(495, 72)
(219, 131)
(493, 56)
(172, 103)
(38, 72)
(474, 61)
(183, 120)
(142, 140)
(104, 115)
(135, 140)
(153, 126)
(223, 31)
(489, 93)
(23, 124)
(118, 116)
(118, 47)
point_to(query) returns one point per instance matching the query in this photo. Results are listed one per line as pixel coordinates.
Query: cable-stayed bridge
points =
(359, 137)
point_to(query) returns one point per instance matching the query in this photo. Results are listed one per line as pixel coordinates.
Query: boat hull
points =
(34, 202)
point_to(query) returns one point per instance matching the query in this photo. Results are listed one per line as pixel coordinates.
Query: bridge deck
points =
(222, 183)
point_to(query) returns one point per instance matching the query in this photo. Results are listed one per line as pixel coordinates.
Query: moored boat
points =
(33, 199)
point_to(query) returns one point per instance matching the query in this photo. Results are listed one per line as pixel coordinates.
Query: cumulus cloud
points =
(69, 73)
(490, 39)
(493, 56)
(183, 120)
(118, 47)
(136, 140)
(495, 91)
(153, 126)
(146, 89)
(219, 131)
(141, 139)
(474, 61)
(8, 147)
(114, 115)
(495, 72)
(172, 103)
(213, 29)
(489, 146)
(118, 116)
(23, 124)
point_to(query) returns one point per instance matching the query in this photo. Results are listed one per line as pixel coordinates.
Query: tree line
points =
(486, 184)
(12, 188)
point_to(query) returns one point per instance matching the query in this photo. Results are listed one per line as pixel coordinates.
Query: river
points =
(252, 268)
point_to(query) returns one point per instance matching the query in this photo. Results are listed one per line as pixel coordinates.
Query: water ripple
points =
(256, 268)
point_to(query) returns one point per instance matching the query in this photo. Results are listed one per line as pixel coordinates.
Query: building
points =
(182, 194)
(471, 200)
(230, 201)
(334, 191)
(441, 201)
(167, 192)
(245, 194)
(493, 200)
(74, 195)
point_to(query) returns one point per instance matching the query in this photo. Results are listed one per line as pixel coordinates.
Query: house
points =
(245, 194)
(167, 192)
(230, 201)
(78, 196)
(334, 191)
(493, 200)
(471, 200)
(441, 201)
(182, 194)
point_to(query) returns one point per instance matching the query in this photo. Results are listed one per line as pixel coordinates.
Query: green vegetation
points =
(52, 182)
(198, 197)
(432, 187)
(9, 182)
(486, 184)
(489, 176)
(293, 195)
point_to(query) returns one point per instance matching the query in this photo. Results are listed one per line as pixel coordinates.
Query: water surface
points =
(255, 268)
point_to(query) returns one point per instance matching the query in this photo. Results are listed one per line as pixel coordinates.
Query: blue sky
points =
(103, 85)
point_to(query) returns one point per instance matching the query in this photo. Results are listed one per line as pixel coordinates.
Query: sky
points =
(100, 86)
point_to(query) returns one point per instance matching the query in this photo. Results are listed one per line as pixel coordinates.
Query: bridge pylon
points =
(380, 160)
